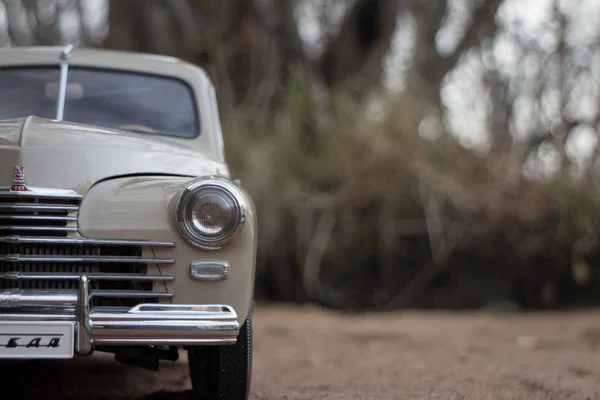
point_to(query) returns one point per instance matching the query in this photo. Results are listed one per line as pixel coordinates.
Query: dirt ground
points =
(309, 353)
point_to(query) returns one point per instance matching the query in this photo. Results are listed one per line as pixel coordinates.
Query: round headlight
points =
(209, 214)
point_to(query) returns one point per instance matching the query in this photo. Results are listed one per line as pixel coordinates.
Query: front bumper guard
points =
(144, 324)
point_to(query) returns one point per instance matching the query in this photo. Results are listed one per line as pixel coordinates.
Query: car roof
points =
(102, 58)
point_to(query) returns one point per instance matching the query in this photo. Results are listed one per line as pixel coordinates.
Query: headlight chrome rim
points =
(189, 198)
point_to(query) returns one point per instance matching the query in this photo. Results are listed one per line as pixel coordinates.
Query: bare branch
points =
(429, 67)
(291, 45)
(314, 255)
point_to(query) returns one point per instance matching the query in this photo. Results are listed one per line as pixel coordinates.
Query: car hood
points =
(64, 155)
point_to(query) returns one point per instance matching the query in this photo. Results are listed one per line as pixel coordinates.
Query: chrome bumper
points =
(144, 324)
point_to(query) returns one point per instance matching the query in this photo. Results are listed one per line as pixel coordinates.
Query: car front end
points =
(120, 228)
(85, 268)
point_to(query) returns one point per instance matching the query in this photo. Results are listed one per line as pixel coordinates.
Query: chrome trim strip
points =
(38, 207)
(83, 342)
(37, 317)
(38, 217)
(159, 337)
(15, 298)
(20, 258)
(131, 294)
(212, 310)
(37, 228)
(60, 194)
(82, 241)
(17, 275)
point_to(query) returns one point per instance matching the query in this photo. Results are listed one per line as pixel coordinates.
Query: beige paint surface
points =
(131, 182)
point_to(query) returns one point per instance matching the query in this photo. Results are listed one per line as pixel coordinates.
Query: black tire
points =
(223, 372)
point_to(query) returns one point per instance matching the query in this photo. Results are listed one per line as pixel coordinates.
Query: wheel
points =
(223, 372)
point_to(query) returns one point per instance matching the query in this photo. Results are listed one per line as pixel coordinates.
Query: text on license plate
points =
(36, 339)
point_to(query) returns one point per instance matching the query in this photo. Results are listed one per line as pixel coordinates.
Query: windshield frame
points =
(63, 67)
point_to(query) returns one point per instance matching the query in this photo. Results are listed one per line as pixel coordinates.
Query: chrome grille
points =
(41, 250)
(117, 270)
(38, 213)
(35, 258)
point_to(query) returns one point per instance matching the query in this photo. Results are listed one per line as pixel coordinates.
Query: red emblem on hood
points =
(19, 181)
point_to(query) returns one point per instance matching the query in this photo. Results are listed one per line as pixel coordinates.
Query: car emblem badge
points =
(19, 181)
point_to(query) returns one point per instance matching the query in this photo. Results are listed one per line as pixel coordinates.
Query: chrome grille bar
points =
(134, 294)
(16, 275)
(81, 241)
(20, 258)
(38, 217)
(38, 207)
(17, 297)
(37, 228)
(39, 212)
(41, 193)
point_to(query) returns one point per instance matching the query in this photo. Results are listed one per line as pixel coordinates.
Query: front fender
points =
(143, 208)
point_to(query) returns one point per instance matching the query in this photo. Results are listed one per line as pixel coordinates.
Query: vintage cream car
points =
(120, 229)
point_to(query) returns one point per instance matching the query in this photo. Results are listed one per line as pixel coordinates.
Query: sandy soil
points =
(308, 353)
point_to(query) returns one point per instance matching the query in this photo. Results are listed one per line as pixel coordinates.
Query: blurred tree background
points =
(401, 153)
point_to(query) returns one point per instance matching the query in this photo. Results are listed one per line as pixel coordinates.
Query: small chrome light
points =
(209, 270)
(210, 212)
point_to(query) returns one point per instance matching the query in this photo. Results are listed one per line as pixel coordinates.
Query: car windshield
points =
(107, 98)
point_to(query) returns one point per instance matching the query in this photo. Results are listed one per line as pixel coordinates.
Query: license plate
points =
(36, 339)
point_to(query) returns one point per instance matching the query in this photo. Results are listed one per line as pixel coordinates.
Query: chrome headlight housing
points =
(211, 212)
